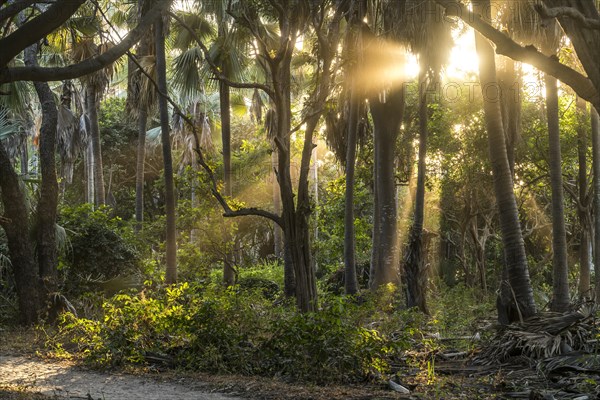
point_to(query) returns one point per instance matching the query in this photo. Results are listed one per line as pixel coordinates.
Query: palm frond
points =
(70, 141)
(186, 76)
(183, 39)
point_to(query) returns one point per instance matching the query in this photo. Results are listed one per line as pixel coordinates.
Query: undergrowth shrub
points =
(100, 247)
(212, 329)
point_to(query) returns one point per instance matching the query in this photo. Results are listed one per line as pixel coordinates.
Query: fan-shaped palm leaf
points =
(182, 38)
(186, 73)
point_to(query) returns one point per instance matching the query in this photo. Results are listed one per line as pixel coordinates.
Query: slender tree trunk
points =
(560, 276)
(350, 281)
(596, 167)
(516, 293)
(92, 105)
(90, 167)
(24, 158)
(510, 85)
(387, 117)
(161, 71)
(15, 222)
(224, 102)
(135, 102)
(413, 260)
(140, 168)
(585, 240)
(277, 233)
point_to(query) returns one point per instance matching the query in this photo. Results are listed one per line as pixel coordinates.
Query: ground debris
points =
(542, 336)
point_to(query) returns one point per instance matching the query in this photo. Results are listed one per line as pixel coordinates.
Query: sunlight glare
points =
(463, 57)
(411, 67)
(385, 64)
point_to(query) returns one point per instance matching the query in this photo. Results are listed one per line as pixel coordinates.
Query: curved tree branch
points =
(570, 12)
(214, 68)
(90, 65)
(581, 84)
(37, 28)
(14, 8)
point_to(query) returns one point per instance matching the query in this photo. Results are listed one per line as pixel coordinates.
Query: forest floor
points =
(26, 374)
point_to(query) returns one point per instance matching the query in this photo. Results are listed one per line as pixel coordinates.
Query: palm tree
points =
(387, 111)
(141, 97)
(560, 276)
(521, 303)
(430, 39)
(161, 72)
(94, 85)
(583, 204)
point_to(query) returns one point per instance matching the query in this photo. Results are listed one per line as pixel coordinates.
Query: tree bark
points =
(387, 117)
(350, 280)
(224, 103)
(516, 300)
(16, 226)
(596, 167)
(46, 208)
(92, 105)
(560, 276)
(140, 168)
(413, 261)
(585, 238)
(171, 232)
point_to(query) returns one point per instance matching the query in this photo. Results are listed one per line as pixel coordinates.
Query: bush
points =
(100, 248)
(210, 329)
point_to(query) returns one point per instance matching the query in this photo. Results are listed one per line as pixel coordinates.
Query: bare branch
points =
(557, 12)
(44, 74)
(215, 69)
(36, 29)
(581, 84)
(14, 8)
(306, 118)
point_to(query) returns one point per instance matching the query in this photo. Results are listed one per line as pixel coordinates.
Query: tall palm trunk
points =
(387, 117)
(224, 102)
(140, 101)
(92, 104)
(161, 71)
(596, 168)
(585, 239)
(90, 167)
(413, 260)
(560, 277)
(140, 168)
(510, 84)
(350, 280)
(516, 299)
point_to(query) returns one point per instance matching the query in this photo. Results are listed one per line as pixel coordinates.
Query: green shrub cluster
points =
(211, 329)
(100, 247)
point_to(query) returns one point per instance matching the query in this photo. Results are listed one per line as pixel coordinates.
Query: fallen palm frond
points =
(543, 336)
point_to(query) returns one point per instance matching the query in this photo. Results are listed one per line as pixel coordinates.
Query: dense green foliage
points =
(100, 248)
(204, 327)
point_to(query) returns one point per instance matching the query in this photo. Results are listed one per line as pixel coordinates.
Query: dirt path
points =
(21, 374)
